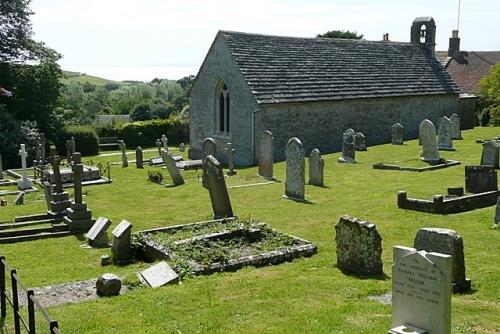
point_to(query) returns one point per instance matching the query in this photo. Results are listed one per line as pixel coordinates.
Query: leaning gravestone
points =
(208, 147)
(230, 151)
(480, 179)
(47, 191)
(421, 294)
(295, 170)
(448, 242)
(97, 235)
(172, 169)
(427, 133)
(216, 185)
(123, 148)
(490, 155)
(24, 183)
(359, 246)
(121, 247)
(159, 274)
(348, 151)
(359, 142)
(445, 142)
(139, 158)
(397, 134)
(316, 168)
(456, 134)
(19, 198)
(266, 155)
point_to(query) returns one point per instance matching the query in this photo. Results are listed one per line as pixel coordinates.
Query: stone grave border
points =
(38, 181)
(445, 164)
(442, 205)
(156, 250)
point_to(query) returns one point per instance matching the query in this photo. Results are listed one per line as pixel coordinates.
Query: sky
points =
(145, 39)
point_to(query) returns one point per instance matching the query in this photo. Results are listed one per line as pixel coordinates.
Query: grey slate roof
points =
(290, 69)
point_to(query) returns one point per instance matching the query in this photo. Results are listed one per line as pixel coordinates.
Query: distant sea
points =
(135, 73)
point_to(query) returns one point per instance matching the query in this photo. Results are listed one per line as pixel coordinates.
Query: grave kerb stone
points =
(159, 275)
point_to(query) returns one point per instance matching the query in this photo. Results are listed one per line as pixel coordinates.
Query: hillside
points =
(83, 78)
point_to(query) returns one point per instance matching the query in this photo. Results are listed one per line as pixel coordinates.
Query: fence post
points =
(3, 305)
(53, 324)
(31, 312)
(15, 301)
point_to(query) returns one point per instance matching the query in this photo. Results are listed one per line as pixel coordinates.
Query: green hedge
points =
(86, 140)
(145, 133)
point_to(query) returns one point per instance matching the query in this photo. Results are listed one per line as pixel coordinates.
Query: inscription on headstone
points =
(266, 155)
(444, 134)
(348, 151)
(295, 169)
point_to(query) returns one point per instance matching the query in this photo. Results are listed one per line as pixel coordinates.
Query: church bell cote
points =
(423, 32)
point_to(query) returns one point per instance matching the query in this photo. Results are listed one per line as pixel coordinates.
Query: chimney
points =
(454, 43)
(386, 38)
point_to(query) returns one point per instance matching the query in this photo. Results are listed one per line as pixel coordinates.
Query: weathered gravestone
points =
(427, 133)
(97, 236)
(445, 142)
(19, 198)
(497, 213)
(230, 151)
(456, 133)
(24, 182)
(47, 191)
(164, 141)
(359, 246)
(172, 169)
(159, 274)
(123, 148)
(445, 241)
(295, 170)
(78, 217)
(139, 163)
(348, 151)
(216, 185)
(397, 131)
(121, 247)
(182, 147)
(480, 179)
(159, 146)
(359, 142)
(316, 168)
(266, 155)
(108, 285)
(60, 198)
(70, 150)
(490, 155)
(421, 294)
(208, 147)
(43, 142)
(1, 168)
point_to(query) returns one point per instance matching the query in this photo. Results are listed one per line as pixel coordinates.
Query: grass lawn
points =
(304, 296)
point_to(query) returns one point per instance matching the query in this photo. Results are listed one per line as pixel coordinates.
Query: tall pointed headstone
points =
(316, 168)
(266, 155)
(295, 169)
(427, 133)
(216, 184)
(24, 183)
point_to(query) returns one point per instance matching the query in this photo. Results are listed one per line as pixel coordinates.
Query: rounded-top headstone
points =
(108, 285)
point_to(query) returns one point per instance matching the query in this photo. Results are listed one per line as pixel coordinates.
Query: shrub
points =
(145, 133)
(87, 142)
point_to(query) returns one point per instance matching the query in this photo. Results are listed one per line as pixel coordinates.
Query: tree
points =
(141, 112)
(341, 34)
(489, 97)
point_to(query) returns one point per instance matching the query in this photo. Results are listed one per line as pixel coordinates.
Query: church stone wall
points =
(321, 124)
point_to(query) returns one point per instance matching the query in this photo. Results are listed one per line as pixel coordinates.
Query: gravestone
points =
(121, 247)
(47, 191)
(108, 285)
(348, 151)
(182, 147)
(359, 246)
(73, 145)
(230, 151)
(216, 185)
(1, 168)
(24, 183)
(359, 142)
(490, 155)
(43, 142)
(69, 153)
(316, 168)
(60, 198)
(208, 147)
(397, 134)
(421, 294)
(266, 155)
(19, 198)
(164, 142)
(445, 142)
(172, 169)
(138, 158)
(159, 146)
(456, 133)
(78, 217)
(295, 170)
(427, 133)
(480, 179)
(123, 148)
(445, 241)
(159, 274)
(97, 236)
(497, 213)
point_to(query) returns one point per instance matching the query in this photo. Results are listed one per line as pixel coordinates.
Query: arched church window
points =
(223, 108)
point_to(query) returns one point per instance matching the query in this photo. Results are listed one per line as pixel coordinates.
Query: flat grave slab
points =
(158, 275)
(444, 164)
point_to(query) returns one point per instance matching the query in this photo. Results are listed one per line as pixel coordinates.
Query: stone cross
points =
(208, 147)
(445, 142)
(230, 151)
(138, 157)
(316, 167)
(172, 169)
(219, 196)
(55, 160)
(24, 183)
(1, 168)
(456, 133)
(348, 150)
(360, 142)
(164, 141)
(182, 147)
(427, 133)
(159, 146)
(295, 170)
(123, 148)
(397, 134)
(266, 155)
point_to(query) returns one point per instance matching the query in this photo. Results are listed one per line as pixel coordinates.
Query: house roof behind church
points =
(290, 69)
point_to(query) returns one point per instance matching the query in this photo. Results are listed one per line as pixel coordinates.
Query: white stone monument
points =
(427, 133)
(24, 183)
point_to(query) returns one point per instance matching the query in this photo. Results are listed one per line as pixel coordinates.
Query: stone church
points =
(314, 89)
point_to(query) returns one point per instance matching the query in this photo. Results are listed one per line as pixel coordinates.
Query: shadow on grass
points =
(379, 277)
(298, 200)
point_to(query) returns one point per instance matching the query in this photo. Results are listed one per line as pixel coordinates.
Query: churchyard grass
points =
(305, 296)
